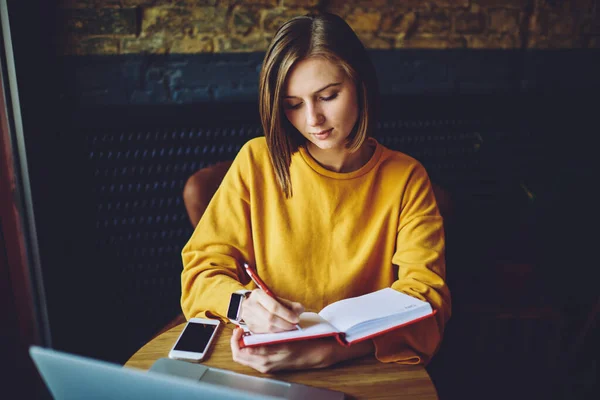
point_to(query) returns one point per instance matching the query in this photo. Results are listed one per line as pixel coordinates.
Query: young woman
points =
(319, 208)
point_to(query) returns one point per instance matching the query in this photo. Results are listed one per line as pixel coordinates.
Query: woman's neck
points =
(341, 160)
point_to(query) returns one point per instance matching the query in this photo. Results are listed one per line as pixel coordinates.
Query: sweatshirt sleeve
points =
(420, 259)
(221, 242)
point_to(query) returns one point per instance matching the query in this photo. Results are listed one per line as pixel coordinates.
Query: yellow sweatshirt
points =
(340, 235)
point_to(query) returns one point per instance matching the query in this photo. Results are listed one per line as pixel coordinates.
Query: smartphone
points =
(195, 340)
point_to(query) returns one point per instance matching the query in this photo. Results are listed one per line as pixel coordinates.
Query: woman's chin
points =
(324, 144)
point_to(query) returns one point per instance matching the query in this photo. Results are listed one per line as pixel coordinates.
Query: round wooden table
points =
(364, 378)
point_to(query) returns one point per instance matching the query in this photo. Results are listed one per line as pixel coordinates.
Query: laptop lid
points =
(70, 376)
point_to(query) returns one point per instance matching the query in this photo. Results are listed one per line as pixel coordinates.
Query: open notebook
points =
(351, 320)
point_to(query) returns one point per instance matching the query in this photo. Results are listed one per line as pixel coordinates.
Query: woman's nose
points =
(314, 116)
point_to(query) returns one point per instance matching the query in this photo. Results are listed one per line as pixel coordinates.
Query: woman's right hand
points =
(264, 314)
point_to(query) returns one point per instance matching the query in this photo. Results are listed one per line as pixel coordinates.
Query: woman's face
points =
(320, 101)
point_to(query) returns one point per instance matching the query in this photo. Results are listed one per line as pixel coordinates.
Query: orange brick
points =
(193, 45)
(403, 23)
(256, 42)
(500, 3)
(468, 22)
(156, 44)
(504, 20)
(419, 4)
(506, 41)
(421, 42)
(433, 22)
(362, 20)
(273, 19)
(371, 41)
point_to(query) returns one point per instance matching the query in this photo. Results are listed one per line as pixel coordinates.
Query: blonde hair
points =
(314, 35)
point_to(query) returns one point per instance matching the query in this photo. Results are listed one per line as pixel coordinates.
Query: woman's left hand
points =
(305, 354)
(317, 353)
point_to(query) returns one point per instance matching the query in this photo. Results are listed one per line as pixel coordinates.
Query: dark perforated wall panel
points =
(140, 223)
(137, 182)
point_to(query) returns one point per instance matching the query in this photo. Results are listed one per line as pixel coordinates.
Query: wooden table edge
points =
(414, 383)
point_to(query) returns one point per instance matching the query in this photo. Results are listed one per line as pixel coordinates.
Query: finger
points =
(271, 358)
(292, 305)
(260, 312)
(278, 309)
(260, 351)
(238, 354)
(253, 357)
(235, 339)
(262, 320)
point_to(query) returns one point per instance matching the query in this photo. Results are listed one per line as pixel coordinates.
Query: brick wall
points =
(110, 27)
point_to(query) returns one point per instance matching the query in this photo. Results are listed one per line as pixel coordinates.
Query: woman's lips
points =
(323, 134)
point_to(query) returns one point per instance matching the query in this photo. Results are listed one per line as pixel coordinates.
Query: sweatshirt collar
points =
(312, 163)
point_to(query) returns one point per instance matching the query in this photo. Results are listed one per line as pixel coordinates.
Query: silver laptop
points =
(70, 376)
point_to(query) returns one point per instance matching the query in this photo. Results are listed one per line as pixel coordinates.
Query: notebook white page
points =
(346, 313)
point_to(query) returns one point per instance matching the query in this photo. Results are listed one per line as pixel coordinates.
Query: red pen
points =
(259, 282)
(256, 279)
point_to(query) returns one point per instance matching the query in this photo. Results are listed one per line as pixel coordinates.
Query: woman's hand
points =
(306, 354)
(262, 313)
(294, 355)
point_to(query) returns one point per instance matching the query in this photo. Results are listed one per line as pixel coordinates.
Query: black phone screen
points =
(195, 337)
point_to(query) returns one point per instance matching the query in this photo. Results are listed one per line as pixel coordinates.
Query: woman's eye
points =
(327, 98)
(292, 106)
